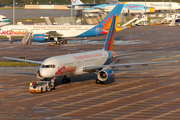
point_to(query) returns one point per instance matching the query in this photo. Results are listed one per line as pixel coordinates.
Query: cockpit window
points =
(4, 18)
(48, 66)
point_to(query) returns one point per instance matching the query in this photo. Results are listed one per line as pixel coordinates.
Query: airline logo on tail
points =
(105, 24)
(76, 2)
(103, 27)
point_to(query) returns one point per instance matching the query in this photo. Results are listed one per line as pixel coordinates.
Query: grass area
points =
(13, 64)
(12, 36)
(26, 20)
(9, 8)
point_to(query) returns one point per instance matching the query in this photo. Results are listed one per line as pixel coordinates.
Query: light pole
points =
(170, 6)
(71, 9)
(13, 12)
(145, 7)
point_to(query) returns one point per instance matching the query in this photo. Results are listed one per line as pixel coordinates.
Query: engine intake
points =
(105, 75)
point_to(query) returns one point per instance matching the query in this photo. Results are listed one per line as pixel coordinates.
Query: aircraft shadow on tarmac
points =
(81, 78)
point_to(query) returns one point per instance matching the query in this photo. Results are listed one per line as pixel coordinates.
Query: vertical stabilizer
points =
(76, 2)
(110, 37)
(104, 25)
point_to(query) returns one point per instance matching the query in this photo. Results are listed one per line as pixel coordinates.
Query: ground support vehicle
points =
(41, 86)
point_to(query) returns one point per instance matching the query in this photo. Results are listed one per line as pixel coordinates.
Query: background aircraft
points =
(44, 32)
(158, 5)
(4, 20)
(128, 8)
(82, 63)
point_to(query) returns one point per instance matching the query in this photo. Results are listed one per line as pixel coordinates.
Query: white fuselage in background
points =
(4, 20)
(62, 30)
(159, 5)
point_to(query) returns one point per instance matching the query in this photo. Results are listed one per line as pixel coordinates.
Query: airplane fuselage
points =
(159, 5)
(73, 64)
(128, 8)
(4, 20)
(62, 30)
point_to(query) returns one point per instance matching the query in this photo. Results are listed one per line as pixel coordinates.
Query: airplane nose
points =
(46, 73)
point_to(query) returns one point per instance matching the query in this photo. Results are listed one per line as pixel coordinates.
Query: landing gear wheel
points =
(65, 41)
(55, 42)
(66, 80)
(62, 42)
(41, 90)
(46, 89)
(54, 88)
(99, 82)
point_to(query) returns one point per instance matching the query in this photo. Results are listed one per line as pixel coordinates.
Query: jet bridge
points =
(137, 19)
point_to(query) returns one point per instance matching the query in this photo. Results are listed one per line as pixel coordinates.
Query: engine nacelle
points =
(40, 37)
(39, 76)
(105, 75)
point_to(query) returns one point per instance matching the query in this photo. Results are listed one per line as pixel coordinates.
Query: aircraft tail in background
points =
(104, 25)
(76, 2)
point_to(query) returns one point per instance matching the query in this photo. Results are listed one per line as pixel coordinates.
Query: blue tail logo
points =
(103, 27)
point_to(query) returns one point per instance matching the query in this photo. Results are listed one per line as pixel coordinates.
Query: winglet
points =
(110, 37)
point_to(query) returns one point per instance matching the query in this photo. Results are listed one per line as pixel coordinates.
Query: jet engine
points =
(39, 76)
(40, 37)
(105, 74)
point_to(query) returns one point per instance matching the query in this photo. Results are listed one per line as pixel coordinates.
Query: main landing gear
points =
(66, 79)
(99, 82)
(10, 39)
(63, 41)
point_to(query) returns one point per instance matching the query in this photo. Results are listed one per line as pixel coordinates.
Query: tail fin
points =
(104, 25)
(76, 2)
(110, 37)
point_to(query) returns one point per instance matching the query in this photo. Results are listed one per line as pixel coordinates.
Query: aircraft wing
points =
(90, 68)
(22, 60)
(129, 53)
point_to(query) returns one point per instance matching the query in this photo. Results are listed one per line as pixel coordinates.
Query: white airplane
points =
(4, 20)
(82, 63)
(128, 8)
(158, 5)
(171, 17)
(44, 32)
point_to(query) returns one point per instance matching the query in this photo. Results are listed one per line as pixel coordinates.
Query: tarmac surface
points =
(136, 93)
